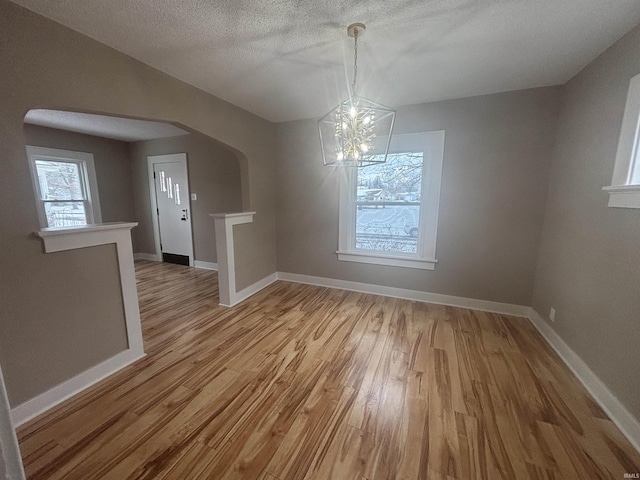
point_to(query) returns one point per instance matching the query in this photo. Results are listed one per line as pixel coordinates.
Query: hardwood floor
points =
(302, 382)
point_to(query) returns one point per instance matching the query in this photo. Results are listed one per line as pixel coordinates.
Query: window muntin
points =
(65, 187)
(387, 204)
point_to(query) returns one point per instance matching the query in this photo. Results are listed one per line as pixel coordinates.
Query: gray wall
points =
(496, 167)
(111, 159)
(214, 175)
(78, 308)
(49, 335)
(589, 265)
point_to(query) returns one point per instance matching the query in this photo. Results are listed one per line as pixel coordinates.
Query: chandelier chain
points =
(355, 62)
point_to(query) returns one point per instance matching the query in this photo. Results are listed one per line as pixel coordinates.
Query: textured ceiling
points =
(125, 129)
(286, 59)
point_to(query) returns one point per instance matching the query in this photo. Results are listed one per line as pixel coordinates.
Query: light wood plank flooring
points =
(303, 382)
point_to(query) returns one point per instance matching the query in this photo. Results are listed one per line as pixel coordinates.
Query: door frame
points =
(159, 159)
(11, 466)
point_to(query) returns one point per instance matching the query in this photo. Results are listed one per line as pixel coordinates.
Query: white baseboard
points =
(245, 293)
(624, 420)
(43, 402)
(437, 298)
(618, 413)
(152, 257)
(205, 265)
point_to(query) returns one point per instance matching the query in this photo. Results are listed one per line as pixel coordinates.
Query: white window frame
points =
(87, 170)
(431, 144)
(624, 191)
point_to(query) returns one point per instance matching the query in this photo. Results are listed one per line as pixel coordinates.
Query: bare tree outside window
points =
(388, 204)
(62, 192)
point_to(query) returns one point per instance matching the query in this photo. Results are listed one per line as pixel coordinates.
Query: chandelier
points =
(356, 132)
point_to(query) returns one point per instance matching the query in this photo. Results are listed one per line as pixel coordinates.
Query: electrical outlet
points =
(552, 314)
(194, 196)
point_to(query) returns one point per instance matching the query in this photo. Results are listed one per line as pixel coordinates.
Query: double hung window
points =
(65, 187)
(389, 211)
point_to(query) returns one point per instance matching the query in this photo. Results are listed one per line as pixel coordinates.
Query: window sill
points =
(390, 260)
(68, 238)
(624, 196)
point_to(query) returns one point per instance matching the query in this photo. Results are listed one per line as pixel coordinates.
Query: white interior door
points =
(173, 210)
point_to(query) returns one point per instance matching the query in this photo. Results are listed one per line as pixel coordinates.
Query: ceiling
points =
(116, 128)
(291, 59)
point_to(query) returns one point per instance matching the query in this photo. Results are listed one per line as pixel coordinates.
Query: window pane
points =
(635, 163)
(65, 214)
(163, 182)
(388, 204)
(59, 180)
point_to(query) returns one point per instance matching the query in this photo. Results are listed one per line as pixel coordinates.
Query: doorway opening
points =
(170, 196)
(214, 179)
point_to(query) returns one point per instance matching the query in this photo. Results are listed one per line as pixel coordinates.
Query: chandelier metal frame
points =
(357, 131)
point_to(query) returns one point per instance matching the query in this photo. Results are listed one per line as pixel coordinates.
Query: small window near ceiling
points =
(65, 187)
(625, 184)
(389, 211)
